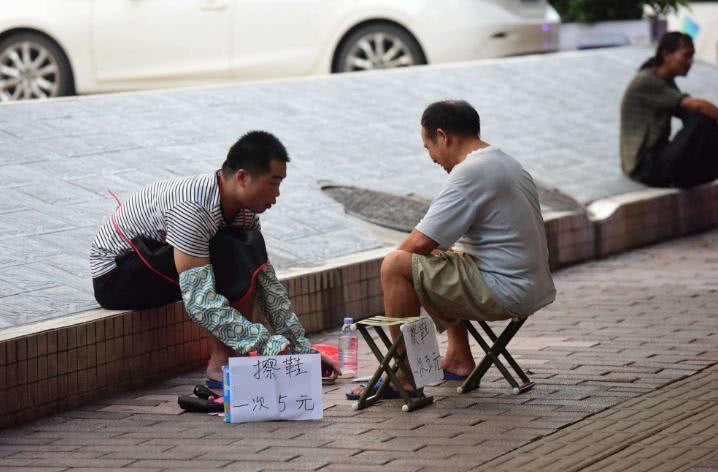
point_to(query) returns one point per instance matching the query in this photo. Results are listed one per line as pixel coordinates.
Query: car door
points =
(164, 41)
(279, 38)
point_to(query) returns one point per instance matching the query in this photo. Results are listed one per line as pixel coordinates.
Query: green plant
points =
(590, 11)
(665, 7)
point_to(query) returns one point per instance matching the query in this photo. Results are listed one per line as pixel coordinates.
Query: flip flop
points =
(388, 394)
(452, 376)
(203, 392)
(200, 405)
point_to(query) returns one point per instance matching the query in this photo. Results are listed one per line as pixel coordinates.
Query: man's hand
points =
(330, 368)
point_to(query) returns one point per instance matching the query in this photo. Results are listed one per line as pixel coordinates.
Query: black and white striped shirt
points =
(184, 212)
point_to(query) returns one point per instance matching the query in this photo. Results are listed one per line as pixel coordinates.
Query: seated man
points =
(155, 250)
(498, 268)
(648, 155)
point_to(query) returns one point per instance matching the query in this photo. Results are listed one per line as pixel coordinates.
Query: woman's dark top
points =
(646, 111)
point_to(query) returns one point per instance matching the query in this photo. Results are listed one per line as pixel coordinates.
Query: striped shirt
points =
(184, 212)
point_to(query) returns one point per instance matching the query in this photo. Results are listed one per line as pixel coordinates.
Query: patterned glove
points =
(212, 312)
(278, 311)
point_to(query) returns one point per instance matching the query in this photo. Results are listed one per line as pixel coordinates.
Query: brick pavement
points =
(671, 429)
(621, 329)
(58, 158)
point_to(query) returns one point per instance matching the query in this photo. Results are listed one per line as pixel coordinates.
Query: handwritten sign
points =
(422, 350)
(266, 388)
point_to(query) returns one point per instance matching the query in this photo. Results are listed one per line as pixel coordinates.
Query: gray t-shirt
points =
(490, 208)
(646, 110)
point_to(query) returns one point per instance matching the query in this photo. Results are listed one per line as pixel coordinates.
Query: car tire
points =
(33, 66)
(378, 46)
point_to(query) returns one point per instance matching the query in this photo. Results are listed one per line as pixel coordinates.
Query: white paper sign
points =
(266, 388)
(422, 350)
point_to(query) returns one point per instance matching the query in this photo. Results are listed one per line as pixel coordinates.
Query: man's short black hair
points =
(453, 116)
(254, 153)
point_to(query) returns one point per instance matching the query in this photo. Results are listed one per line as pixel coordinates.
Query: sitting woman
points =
(648, 154)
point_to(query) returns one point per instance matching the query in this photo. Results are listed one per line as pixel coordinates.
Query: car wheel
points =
(378, 46)
(32, 66)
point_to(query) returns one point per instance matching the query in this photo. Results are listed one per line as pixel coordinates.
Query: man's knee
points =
(396, 263)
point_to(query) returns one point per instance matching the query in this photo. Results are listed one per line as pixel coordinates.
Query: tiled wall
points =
(655, 215)
(697, 209)
(61, 367)
(636, 224)
(570, 238)
(322, 299)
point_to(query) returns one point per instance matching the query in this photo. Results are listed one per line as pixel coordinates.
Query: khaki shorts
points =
(451, 288)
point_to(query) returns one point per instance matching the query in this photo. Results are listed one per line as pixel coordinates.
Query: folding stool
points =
(492, 357)
(387, 366)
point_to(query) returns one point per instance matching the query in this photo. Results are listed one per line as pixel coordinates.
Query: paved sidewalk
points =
(558, 114)
(621, 329)
(672, 429)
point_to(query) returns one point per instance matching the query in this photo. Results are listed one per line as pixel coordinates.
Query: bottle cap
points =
(348, 321)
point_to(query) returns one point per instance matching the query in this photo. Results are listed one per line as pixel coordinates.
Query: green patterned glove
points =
(279, 313)
(212, 312)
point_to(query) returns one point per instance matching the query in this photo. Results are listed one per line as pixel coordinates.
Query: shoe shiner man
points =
(480, 251)
(156, 247)
(648, 153)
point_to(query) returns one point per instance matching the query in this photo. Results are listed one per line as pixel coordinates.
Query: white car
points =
(61, 47)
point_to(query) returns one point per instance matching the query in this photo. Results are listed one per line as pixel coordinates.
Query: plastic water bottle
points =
(348, 347)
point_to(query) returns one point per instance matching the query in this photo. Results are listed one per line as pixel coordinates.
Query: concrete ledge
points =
(570, 238)
(62, 363)
(697, 209)
(639, 218)
(59, 364)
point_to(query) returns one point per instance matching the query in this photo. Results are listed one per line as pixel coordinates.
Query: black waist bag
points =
(237, 256)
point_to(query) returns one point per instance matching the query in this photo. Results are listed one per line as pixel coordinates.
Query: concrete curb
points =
(59, 364)
(570, 238)
(635, 219)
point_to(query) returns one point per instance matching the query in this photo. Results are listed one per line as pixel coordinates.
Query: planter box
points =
(605, 34)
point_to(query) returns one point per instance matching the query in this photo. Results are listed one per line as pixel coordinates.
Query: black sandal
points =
(204, 400)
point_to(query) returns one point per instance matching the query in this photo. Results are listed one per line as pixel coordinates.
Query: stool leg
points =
(514, 325)
(385, 366)
(365, 400)
(417, 404)
(491, 357)
(409, 404)
(399, 357)
(391, 373)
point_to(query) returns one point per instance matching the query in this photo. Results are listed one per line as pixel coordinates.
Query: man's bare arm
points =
(418, 243)
(701, 106)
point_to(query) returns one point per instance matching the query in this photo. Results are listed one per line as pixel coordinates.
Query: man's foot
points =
(457, 368)
(214, 374)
